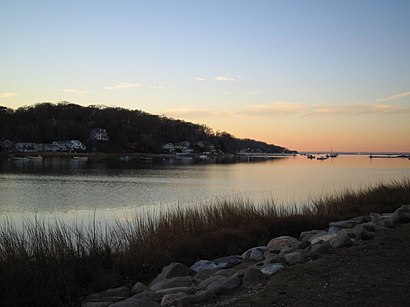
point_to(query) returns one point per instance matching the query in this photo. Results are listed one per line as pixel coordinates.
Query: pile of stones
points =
(179, 285)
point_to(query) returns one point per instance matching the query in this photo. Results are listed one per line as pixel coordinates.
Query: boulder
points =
(205, 283)
(392, 220)
(341, 240)
(202, 265)
(293, 246)
(148, 295)
(175, 269)
(323, 238)
(96, 304)
(307, 235)
(187, 290)
(224, 286)
(360, 232)
(111, 295)
(273, 258)
(188, 299)
(318, 235)
(230, 261)
(351, 223)
(272, 269)
(205, 274)
(225, 273)
(171, 299)
(404, 213)
(295, 257)
(183, 281)
(276, 244)
(138, 288)
(320, 248)
(132, 302)
(255, 254)
(253, 277)
(333, 229)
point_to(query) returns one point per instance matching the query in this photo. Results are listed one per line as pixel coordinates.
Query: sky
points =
(308, 75)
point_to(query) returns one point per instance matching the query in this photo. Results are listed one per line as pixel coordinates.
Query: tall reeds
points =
(55, 263)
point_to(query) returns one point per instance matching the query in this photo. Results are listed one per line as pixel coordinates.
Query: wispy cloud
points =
(395, 96)
(76, 91)
(228, 78)
(276, 108)
(155, 87)
(199, 79)
(123, 85)
(195, 113)
(7, 95)
(359, 109)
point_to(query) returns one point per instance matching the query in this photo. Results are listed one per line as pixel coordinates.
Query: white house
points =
(99, 134)
(168, 147)
(74, 145)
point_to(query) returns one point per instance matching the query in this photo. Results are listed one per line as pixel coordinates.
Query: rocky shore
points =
(213, 282)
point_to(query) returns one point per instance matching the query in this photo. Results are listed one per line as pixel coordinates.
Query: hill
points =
(128, 130)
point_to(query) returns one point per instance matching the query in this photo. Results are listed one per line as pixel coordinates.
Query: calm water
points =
(70, 189)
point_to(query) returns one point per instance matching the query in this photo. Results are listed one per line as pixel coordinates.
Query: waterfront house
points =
(74, 145)
(60, 145)
(99, 134)
(168, 147)
(6, 146)
(28, 147)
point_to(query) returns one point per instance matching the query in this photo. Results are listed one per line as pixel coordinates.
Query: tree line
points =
(128, 130)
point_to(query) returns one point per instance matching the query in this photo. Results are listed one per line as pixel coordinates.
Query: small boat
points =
(17, 158)
(125, 158)
(332, 155)
(310, 156)
(322, 158)
(77, 158)
(37, 158)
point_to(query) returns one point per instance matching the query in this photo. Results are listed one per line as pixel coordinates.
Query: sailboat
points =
(332, 155)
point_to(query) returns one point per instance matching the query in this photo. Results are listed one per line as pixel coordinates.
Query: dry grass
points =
(52, 264)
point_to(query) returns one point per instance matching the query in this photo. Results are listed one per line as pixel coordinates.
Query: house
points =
(28, 147)
(182, 145)
(99, 134)
(168, 147)
(51, 147)
(74, 145)
(60, 146)
(6, 146)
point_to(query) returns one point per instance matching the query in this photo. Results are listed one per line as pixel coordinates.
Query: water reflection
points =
(67, 188)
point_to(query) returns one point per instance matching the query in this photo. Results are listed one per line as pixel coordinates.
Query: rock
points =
(293, 246)
(224, 286)
(333, 229)
(272, 269)
(404, 213)
(175, 269)
(369, 226)
(96, 304)
(323, 238)
(205, 283)
(148, 295)
(392, 220)
(374, 215)
(295, 257)
(188, 299)
(255, 254)
(273, 258)
(225, 273)
(360, 232)
(202, 265)
(276, 244)
(253, 277)
(132, 302)
(307, 235)
(320, 247)
(341, 240)
(229, 260)
(138, 288)
(110, 295)
(205, 274)
(318, 235)
(187, 290)
(183, 281)
(351, 223)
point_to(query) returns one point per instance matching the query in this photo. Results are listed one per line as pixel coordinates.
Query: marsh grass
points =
(50, 264)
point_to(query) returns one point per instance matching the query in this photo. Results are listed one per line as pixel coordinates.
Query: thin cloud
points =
(8, 95)
(359, 109)
(76, 91)
(195, 113)
(228, 78)
(395, 96)
(199, 79)
(277, 108)
(123, 85)
(154, 87)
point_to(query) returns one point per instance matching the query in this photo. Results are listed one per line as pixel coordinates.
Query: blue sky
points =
(302, 74)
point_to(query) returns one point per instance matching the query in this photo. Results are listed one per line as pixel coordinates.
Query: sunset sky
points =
(307, 75)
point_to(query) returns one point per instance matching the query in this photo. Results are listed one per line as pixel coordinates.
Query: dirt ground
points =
(376, 273)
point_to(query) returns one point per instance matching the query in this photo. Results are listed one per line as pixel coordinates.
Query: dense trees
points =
(128, 130)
